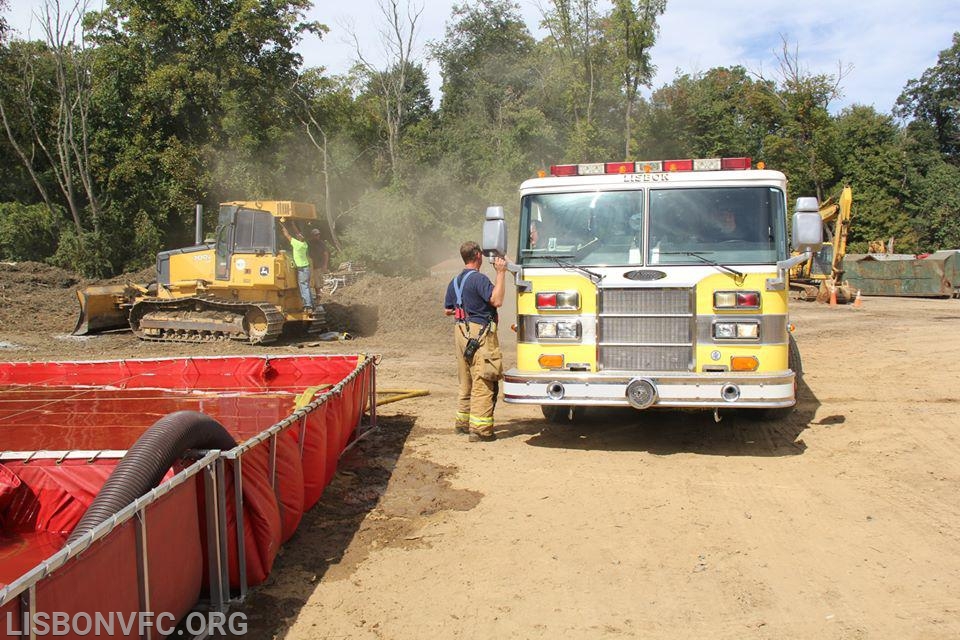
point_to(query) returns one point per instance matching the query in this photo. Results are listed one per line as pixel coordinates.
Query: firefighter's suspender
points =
(459, 314)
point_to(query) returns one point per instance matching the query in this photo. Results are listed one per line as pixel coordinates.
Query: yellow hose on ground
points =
(396, 395)
(401, 394)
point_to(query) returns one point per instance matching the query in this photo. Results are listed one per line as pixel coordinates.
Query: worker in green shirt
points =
(301, 261)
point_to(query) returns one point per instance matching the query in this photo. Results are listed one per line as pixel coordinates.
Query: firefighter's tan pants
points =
(478, 378)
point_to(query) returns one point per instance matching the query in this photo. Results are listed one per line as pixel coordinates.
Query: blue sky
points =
(885, 42)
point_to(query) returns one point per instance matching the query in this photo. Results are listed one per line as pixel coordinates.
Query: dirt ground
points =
(842, 521)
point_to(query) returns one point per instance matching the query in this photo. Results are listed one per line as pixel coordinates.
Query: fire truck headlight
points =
(725, 330)
(568, 330)
(736, 331)
(547, 330)
(558, 329)
(748, 330)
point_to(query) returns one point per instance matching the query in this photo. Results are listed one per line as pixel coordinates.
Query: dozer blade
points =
(103, 308)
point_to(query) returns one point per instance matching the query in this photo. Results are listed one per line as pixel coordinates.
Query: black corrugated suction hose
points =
(148, 460)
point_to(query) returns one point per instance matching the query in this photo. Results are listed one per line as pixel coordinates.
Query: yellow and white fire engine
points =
(655, 284)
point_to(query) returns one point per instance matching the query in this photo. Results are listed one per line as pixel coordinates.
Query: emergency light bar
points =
(650, 166)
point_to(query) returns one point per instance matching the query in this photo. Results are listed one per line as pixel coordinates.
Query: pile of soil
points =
(384, 305)
(37, 297)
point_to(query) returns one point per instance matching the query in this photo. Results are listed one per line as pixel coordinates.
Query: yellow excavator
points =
(815, 278)
(242, 285)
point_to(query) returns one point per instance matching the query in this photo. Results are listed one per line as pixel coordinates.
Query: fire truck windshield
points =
(585, 228)
(726, 225)
(738, 225)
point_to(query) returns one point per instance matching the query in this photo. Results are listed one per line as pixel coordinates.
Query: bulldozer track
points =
(203, 319)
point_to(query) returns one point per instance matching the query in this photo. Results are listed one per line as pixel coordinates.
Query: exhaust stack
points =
(199, 235)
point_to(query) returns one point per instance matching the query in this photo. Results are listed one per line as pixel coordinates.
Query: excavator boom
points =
(841, 229)
(815, 278)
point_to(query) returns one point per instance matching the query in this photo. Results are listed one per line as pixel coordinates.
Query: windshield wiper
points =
(739, 276)
(544, 253)
(569, 266)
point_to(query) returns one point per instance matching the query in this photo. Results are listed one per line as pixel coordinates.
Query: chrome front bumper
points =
(693, 390)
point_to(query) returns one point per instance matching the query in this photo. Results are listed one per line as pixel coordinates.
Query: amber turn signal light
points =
(548, 361)
(744, 363)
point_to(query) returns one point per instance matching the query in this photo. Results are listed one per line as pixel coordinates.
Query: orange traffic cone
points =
(833, 296)
(858, 301)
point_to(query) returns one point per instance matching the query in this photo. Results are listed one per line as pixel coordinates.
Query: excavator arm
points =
(840, 230)
(816, 283)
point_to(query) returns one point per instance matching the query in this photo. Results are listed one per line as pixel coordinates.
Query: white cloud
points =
(886, 43)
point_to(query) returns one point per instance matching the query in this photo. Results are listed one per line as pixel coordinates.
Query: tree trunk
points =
(27, 164)
(327, 205)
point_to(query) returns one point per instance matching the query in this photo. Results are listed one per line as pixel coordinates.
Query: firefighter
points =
(473, 300)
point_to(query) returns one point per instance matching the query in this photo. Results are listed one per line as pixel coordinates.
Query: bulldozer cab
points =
(250, 227)
(242, 229)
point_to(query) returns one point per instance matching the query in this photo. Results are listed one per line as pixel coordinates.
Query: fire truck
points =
(655, 284)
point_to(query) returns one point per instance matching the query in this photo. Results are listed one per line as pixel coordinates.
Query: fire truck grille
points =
(646, 329)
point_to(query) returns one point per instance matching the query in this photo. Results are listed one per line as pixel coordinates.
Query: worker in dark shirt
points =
(473, 300)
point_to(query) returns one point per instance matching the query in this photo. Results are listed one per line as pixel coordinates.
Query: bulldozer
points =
(239, 285)
(822, 275)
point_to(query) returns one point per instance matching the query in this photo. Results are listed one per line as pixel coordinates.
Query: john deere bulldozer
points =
(241, 286)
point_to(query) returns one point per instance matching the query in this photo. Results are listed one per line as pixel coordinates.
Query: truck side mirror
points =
(807, 226)
(494, 240)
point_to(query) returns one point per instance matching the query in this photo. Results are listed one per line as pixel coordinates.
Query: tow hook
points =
(716, 414)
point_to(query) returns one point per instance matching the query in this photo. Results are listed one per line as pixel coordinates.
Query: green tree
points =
(576, 41)
(397, 215)
(194, 105)
(51, 99)
(800, 144)
(939, 200)
(27, 232)
(24, 175)
(4, 27)
(935, 99)
(722, 112)
(870, 159)
(47, 114)
(931, 189)
(483, 44)
(392, 88)
(631, 32)
(342, 137)
(492, 127)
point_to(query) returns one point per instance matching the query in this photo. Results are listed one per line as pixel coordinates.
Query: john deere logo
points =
(644, 274)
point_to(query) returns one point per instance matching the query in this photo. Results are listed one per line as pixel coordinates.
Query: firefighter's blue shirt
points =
(476, 297)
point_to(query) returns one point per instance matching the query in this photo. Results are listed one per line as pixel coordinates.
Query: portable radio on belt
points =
(460, 314)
